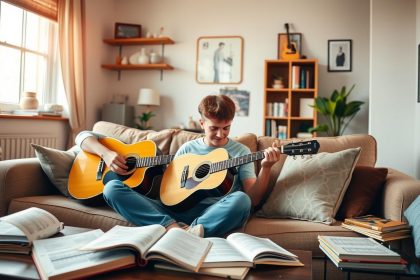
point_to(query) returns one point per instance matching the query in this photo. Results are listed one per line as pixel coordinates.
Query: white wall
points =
(392, 116)
(258, 22)
(417, 118)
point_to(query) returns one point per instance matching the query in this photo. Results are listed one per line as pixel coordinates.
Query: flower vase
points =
(143, 57)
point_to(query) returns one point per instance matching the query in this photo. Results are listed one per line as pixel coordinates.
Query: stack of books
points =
(362, 253)
(378, 228)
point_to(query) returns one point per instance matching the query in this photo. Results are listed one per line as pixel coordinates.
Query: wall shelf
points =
(139, 41)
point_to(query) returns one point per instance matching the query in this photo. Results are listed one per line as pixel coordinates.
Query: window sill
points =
(49, 118)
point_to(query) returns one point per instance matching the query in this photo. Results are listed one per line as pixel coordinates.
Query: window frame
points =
(51, 83)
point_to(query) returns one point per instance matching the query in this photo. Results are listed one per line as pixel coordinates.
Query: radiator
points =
(19, 146)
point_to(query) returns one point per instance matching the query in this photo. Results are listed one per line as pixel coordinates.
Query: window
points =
(28, 56)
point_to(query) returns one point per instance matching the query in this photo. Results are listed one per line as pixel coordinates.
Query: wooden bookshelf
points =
(282, 106)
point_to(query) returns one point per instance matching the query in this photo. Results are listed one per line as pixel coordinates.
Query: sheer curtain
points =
(70, 29)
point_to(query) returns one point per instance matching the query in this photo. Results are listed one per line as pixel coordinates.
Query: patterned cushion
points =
(412, 213)
(311, 188)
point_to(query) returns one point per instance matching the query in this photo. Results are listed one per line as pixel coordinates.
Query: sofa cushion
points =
(179, 137)
(365, 187)
(295, 234)
(311, 188)
(71, 212)
(412, 214)
(130, 135)
(56, 164)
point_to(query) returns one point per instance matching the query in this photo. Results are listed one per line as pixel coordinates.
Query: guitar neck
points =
(233, 162)
(154, 161)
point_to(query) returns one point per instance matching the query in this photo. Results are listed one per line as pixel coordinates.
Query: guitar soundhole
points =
(202, 171)
(131, 163)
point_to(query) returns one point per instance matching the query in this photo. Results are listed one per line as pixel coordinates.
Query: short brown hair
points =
(219, 107)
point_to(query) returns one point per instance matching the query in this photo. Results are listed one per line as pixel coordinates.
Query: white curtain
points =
(70, 26)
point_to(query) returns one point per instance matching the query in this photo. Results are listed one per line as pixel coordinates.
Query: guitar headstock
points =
(309, 147)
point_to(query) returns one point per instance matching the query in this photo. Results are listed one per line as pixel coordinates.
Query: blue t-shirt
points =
(234, 149)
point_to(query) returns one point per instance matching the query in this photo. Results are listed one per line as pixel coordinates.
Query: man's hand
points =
(115, 163)
(271, 156)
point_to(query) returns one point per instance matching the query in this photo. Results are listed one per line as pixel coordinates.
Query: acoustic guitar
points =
(291, 51)
(89, 173)
(189, 178)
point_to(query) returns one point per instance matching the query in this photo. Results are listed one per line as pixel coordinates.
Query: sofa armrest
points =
(400, 190)
(21, 178)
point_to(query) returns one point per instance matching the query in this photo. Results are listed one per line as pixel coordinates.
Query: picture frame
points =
(282, 43)
(127, 30)
(339, 55)
(219, 60)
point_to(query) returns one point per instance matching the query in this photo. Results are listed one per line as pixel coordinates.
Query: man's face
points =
(216, 131)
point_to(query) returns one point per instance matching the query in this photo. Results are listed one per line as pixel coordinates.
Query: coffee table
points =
(260, 272)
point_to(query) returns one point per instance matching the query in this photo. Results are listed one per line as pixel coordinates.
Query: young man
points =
(212, 216)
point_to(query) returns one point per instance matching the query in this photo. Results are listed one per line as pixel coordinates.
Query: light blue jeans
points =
(217, 217)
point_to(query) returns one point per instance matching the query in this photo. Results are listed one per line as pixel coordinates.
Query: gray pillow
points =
(311, 188)
(412, 213)
(56, 165)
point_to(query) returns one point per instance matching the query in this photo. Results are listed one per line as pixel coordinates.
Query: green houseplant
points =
(337, 111)
(144, 120)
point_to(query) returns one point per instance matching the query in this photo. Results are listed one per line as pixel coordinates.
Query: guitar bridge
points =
(100, 170)
(184, 176)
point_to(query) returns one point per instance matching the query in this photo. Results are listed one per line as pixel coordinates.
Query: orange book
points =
(376, 223)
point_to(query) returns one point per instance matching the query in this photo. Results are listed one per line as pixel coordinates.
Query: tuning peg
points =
(294, 157)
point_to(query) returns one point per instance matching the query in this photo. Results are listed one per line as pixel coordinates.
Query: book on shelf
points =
(376, 223)
(378, 235)
(244, 250)
(20, 229)
(175, 246)
(226, 272)
(358, 249)
(60, 257)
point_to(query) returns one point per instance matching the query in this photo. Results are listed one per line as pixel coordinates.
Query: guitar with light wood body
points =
(190, 178)
(89, 173)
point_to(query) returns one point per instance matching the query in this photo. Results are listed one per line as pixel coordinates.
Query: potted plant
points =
(144, 120)
(337, 111)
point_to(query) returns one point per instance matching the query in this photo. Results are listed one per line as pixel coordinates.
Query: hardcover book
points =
(244, 250)
(358, 249)
(376, 223)
(20, 229)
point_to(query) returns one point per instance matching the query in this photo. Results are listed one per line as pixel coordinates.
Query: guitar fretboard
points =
(229, 163)
(154, 161)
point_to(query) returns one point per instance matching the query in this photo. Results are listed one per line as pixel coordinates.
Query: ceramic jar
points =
(143, 57)
(29, 101)
(155, 58)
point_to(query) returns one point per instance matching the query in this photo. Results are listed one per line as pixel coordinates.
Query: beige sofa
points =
(23, 184)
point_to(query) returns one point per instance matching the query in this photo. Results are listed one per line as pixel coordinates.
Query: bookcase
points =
(286, 103)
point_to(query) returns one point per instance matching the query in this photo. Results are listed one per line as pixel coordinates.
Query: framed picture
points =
(127, 30)
(339, 55)
(295, 38)
(219, 60)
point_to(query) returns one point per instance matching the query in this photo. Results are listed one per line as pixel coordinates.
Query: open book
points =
(153, 242)
(244, 250)
(20, 229)
(59, 258)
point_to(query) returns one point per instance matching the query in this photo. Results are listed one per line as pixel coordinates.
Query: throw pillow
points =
(311, 188)
(56, 164)
(412, 214)
(364, 189)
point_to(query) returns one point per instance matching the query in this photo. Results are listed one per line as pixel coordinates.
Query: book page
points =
(138, 238)
(258, 248)
(181, 248)
(223, 254)
(10, 233)
(56, 256)
(35, 223)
